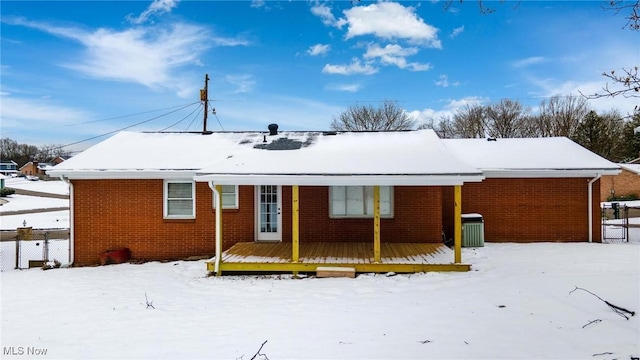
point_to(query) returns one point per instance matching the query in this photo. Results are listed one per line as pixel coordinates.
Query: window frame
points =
(390, 215)
(166, 199)
(236, 205)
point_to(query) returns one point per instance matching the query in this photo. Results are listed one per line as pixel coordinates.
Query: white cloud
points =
(243, 83)
(257, 3)
(36, 114)
(356, 67)
(353, 88)
(157, 7)
(528, 61)
(429, 115)
(145, 55)
(575, 88)
(444, 81)
(395, 55)
(324, 12)
(390, 21)
(457, 31)
(318, 49)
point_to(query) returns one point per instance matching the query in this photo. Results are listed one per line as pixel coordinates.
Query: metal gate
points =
(620, 222)
(34, 248)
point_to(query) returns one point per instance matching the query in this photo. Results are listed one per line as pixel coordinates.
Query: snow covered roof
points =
(408, 157)
(530, 157)
(635, 168)
(348, 158)
(322, 158)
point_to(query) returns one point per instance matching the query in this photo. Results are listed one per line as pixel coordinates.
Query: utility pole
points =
(204, 96)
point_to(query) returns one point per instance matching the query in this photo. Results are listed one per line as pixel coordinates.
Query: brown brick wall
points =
(526, 210)
(625, 183)
(129, 213)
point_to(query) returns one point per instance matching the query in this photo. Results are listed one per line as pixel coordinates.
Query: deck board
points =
(338, 252)
(397, 257)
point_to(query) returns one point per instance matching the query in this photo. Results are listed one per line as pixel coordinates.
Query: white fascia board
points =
(549, 173)
(123, 175)
(339, 180)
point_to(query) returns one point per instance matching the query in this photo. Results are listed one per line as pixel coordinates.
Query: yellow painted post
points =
(457, 223)
(295, 231)
(219, 227)
(376, 223)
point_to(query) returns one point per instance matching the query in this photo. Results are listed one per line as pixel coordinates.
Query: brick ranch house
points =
(625, 183)
(294, 201)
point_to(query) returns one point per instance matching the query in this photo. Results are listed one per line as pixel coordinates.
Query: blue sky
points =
(74, 70)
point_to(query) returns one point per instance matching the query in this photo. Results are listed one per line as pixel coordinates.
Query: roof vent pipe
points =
(492, 139)
(273, 129)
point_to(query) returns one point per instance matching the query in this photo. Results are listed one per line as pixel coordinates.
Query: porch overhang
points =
(341, 179)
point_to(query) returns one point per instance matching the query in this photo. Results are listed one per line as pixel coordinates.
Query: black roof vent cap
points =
(273, 129)
(492, 139)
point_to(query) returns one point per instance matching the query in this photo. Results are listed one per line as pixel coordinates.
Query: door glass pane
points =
(269, 208)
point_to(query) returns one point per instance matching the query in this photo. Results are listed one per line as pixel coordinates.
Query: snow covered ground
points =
(48, 220)
(54, 187)
(516, 303)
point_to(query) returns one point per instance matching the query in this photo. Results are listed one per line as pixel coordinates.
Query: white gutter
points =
(340, 179)
(71, 220)
(218, 227)
(590, 189)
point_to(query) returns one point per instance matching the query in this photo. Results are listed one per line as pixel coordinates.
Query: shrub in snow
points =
(6, 192)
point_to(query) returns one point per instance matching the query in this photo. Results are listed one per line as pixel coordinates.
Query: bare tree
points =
(561, 115)
(506, 119)
(23, 153)
(630, 8)
(469, 122)
(389, 116)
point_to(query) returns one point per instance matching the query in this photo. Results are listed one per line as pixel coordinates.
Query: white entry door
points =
(269, 212)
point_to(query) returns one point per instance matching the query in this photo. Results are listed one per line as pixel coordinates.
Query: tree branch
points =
(617, 309)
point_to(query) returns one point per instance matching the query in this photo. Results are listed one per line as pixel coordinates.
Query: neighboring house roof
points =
(530, 157)
(356, 157)
(634, 168)
(30, 163)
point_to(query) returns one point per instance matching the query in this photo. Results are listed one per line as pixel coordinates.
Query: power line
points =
(128, 127)
(194, 118)
(181, 120)
(124, 116)
(213, 111)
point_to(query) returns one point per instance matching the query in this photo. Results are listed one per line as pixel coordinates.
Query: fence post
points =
(626, 221)
(45, 248)
(17, 252)
(24, 233)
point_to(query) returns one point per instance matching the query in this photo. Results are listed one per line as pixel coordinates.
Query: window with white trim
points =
(179, 199)
(229, 197)
(357, 201)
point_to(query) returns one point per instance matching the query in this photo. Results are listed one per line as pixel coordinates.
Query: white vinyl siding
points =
(229, 197)
(357, 201)
(179, 200)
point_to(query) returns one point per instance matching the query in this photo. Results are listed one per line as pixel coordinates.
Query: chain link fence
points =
(620, 222)
(34, 248)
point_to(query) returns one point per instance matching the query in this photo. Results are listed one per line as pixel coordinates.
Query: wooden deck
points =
(396, 257)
